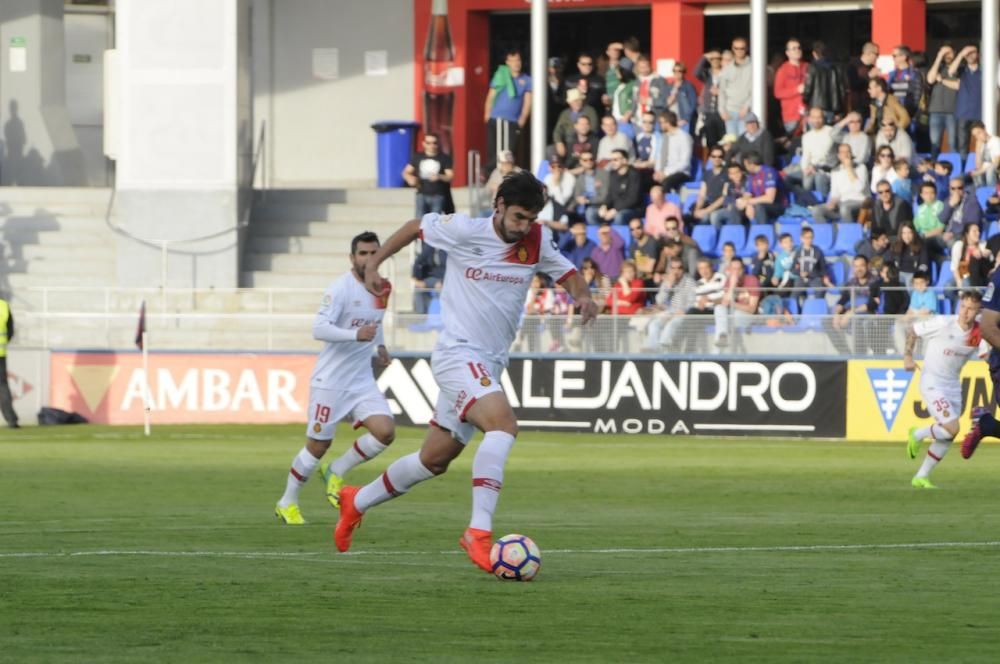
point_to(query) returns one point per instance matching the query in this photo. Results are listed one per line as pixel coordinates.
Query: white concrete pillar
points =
(539, 78)
(758, 56)
(988, 55)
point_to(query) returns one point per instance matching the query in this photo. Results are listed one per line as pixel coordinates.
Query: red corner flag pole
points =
(141, 339)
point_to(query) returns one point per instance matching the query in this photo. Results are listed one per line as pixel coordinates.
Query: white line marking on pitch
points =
(675, 550)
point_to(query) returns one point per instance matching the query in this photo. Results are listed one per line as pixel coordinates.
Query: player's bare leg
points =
(493, 415)
(303, 466)
(438, 451)
(381, 433)
(941, 435)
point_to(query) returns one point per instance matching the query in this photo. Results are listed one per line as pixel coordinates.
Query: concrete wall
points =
(318, 130)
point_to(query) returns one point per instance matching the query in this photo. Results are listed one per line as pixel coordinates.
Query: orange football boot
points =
(477, 544)
(350, 518)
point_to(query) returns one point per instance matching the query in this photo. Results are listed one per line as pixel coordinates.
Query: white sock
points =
(303, 466)
(487, 477)
(397, 479)
(935, 453)
(364, 449)
(924, 433)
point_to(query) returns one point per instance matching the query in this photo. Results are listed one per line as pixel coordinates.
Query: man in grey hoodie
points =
(735, 88)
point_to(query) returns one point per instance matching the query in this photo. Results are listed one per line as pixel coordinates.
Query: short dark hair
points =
(806, 231)
(862, 257)
(512, 51)
(669, 117)
(973, 295)
(521, 189)
(946, 165)
(753, 157)
(762, 237)
(367, 236)
(931, 185)
(880, 82)
(623, 153)
(977, 125)
(783, 236)
(819, 48)
(631, 43)
(729, 244)
(922, 274)
(431, 134)
(878, 232)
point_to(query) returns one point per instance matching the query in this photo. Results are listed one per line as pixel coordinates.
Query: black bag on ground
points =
(48, 416)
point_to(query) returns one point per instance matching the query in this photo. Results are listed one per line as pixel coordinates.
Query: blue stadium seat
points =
(433, 320)
(624, 232)
(673, 198)
(731, 233)
(983, 194)
(542, 170)
(792, 228)
(838, 272)
(627, 128)
(994, 229)
(848, 235)
(970, 162)
(944, 306)
(823, 237)
(820, 197)
(954, 159)
(592, 233)
(812, 309)
(689, 202)
(749, 249)
(944, 274)
(704, 237)
(792, 305)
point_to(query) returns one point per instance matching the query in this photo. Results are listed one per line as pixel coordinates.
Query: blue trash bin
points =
(394, 147)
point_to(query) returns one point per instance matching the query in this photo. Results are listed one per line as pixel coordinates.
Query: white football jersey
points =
(345, 363)
(487, 279)
(947, 349)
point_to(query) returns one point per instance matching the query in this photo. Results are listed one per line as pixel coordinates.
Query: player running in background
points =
(491, 261)
(951, 340)
(350, 322)
(984, 422)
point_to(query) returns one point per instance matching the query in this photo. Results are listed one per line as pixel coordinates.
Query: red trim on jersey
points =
(465, 410)
(357, 424)
(421, 235)
(974, 336)
(933, 456)
(357, 449)
(528, 249)
(388, 485)
(487, 482)
(382, 299)
(566, 276)
(296, 475)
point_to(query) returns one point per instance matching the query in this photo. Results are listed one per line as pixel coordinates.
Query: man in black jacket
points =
(428, 276)
(825, 86)
(624, 200)
(889, 211)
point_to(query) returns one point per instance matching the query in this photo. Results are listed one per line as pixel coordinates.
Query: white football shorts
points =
(464, 376)
(944, 404)
(328, 407)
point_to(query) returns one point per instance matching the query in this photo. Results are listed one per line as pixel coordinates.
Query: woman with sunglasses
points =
(884, 168)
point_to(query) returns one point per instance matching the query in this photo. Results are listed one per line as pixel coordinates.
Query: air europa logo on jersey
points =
(889, 387)
(479, 274)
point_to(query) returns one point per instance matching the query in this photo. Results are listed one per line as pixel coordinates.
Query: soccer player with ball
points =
(951, 340)
(491, 261)
(350, 322)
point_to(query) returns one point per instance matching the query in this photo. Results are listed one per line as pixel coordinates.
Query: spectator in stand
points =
(848, 189)
(505, 166)
(875, 249)
(890, 211)
(959, 210)
(809, 263)
(754, 139)
(969, 103)
(762, 265)
(941, 177)
(534, 310)
(707, 293)
(591, 188)
(708, 71)
(987, 156)
(559, 185)
(627, 298)
(581, 140)
(852, 305)
(850, 131)
(886, 296)
(860, 71)
(643, 249)
(430, 172)
(508, 105)
(923, 302)
(595, 84)
(682, 99)
(927, 222)
(652, 89)
(903, 186)
(613, 140)
(623, 103)
(428, 276)
(674, 298)
(632, 54)
(764, 200)
(624, 199)
(576, 246)
(688, 248)
(896, 138)
(906, 81)
(609, 253)
(673, 161)
(556, 93)
(736, 308)
(943, 99)
(565, 133)
(658, 211)
(733, 206)
(789, 82)
(613, 75)
(711, 191)
(735, 88)
(784, 276)
(826, 85)
(909, 253)
(818, 155)
(884, 169)
(728, 253)
(885, 108)
(644, 147)
(971, 261)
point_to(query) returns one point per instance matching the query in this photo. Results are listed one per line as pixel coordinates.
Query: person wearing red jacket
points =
(789, 82)
(627, 298)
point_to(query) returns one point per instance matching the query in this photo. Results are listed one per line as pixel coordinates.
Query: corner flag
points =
(141, 330)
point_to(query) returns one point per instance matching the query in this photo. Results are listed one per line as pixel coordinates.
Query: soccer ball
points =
(515, 558)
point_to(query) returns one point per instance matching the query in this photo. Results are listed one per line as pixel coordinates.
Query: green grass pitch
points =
(115, 548)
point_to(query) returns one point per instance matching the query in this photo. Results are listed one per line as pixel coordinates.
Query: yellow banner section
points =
(883, 399)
